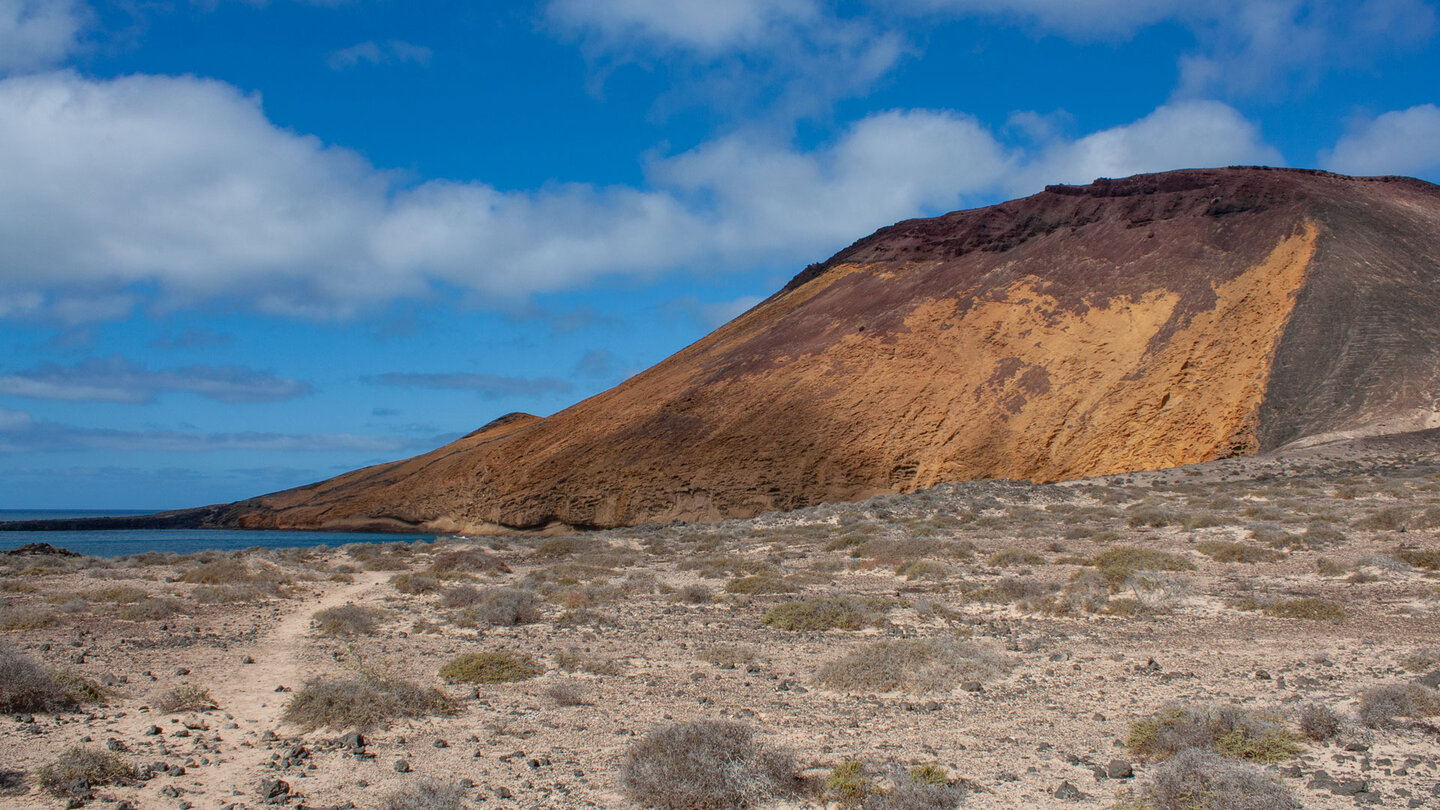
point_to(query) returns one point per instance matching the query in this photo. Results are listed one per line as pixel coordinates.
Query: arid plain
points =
(1015, 645)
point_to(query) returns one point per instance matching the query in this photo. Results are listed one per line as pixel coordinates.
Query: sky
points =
(246, 244)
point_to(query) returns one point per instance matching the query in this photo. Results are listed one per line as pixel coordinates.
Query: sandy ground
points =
(621, 622)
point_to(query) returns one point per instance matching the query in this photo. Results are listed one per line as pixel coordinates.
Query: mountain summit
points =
(1130, 324)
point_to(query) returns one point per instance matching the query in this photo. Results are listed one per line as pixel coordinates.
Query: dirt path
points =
(249, 695)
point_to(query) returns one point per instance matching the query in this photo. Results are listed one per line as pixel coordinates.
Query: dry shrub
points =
(76, 771)
(1197, 779)
(924, 569)
(228, 571)
(568, 693)
(1010, 590)
(347, 621)
(490, 667)
(705, 764)
(470, 561)
(185, 698)
(228, 594)
(426, 794)
(21, 617)
(1428, 559)
(361, 702)
(911, 665)
(415, 584)
(1380, 706)
(842, 613)
(1312, 608)
(575, 660)
(694, 595)
(1233, 731)
(1422, 660)
(761, 584)
(461, 597)
(1119, 563)
(1319, 722)
(927, 787)
(119, 594)
(506, 607)
(151, 610)
(26, 686)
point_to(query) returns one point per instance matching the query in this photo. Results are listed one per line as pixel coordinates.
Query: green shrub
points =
(1312, 608)
(1014, 556)
(490, 667)
(842, 613)
(76, 771)
(1231, 730)
(761, 584)
(911, 665)
(847, 784)
(361, 702)
(705, 764)
(1117, 564)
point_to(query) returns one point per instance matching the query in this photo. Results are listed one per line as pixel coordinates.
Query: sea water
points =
(124, 542)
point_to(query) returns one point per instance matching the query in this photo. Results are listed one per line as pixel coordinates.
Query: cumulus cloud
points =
(488, 386)
(164, 192)
(117, 379)
(38, 33)
(379, 53)
(22, 433)
(1182, 135)
(1397, 142)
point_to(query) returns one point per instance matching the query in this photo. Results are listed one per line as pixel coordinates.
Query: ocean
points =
(122, 543)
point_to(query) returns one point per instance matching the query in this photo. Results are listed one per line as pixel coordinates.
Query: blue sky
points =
(247, 245)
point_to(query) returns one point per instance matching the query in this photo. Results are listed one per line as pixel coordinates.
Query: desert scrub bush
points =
(927, 787)
(726, 655)
(1311, 608)
(1327, 567)
(830, 613)
(119, 594)
(24, 617)
(705, 764)
(1387, 518)
(1011, 590)
(1119, 563)
(916, 665)
(490, 667)
(757, 584)
(467, 561)
(1319, 722)
(425, 794)
(1228, 552)
(228, 594)
(362, 701)
(847, 784)
(1422, 660)
(1318, 535)
(1380, 706)
(186, 697)
(572, 659)
(347, 621)
(78, 769)
(1150, 515)
(1428, 559)
(1086, 592)
(1197, 779)
(504, 607)
(1233, 731)
(226, 571)
(26, 686)
(694, 595)
(415, 583)
(568, 693)
(1014, 556)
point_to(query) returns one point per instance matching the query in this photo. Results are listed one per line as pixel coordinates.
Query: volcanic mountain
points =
(1129, 324)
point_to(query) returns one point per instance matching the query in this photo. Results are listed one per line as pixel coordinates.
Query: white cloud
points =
(38, 33)
(156, 191)
(22, 433)
(379, 53)
(1397, 142)
(1187, 134)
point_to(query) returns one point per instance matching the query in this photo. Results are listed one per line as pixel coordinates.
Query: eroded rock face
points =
(1130, 324)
